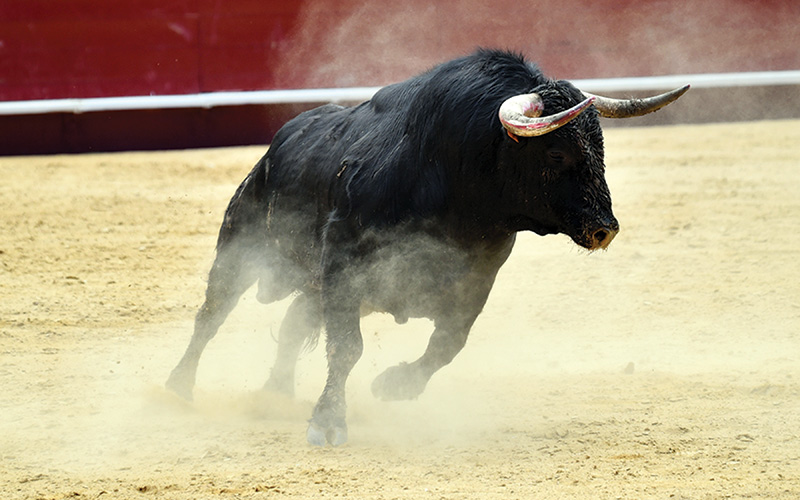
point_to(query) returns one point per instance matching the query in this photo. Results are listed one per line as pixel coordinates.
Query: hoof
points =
(180, 384)
(326, 426)
(318, 436)
(398, 383)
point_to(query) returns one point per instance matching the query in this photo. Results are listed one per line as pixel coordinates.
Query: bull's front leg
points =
(341, 304)
(408, 380)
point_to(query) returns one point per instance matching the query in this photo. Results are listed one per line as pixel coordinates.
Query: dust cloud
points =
(569, 39)
(104, 260)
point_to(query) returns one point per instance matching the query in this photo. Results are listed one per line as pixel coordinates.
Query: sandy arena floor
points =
(667, 367)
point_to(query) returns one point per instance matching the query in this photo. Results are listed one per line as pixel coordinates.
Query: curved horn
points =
(520, 115)
(627, 108)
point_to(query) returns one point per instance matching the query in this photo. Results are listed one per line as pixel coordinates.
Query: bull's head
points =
(566, 191)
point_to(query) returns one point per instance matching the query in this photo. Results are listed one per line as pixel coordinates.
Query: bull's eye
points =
(556, 156)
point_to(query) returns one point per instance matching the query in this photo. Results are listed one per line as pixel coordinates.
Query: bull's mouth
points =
(523, 223)
(596, 237)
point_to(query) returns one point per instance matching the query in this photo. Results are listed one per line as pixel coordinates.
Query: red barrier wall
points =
(98, 48)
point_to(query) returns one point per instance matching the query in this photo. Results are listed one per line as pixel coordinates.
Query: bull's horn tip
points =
(682, 90)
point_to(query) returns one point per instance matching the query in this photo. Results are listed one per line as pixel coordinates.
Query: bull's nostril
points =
(600, 235)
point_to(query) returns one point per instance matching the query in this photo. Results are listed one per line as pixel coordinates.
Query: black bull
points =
(407, 204)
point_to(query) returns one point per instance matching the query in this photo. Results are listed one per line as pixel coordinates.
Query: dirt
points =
(665, 367)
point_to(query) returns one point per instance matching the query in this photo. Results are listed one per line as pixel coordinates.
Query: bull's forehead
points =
(585, 130)
(558, 95)
(590, 135)
(586, 136)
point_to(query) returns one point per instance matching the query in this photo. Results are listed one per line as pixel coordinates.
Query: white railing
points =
(358, 94)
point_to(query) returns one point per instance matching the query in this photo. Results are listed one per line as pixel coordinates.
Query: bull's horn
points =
(627, 108)
(520, 115)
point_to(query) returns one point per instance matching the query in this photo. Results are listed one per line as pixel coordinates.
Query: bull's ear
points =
(513, 137)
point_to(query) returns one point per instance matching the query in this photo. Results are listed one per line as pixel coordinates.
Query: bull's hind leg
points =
(231, 275)
(301, 325)
(242, 257)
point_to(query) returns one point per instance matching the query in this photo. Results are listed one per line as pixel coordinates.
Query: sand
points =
(665, 367)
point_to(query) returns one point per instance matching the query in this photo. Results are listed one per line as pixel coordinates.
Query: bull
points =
(408, 204)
